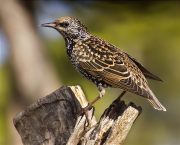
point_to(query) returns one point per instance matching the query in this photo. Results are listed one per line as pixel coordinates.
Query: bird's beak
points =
(52, 25)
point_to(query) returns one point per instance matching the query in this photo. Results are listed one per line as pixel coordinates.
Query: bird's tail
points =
(154, 102)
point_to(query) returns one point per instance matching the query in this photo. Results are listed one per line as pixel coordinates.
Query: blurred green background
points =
(148, 31)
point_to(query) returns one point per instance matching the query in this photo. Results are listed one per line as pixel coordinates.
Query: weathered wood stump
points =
(53, 120)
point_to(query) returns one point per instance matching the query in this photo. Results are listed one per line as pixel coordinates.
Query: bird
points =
(102, 63)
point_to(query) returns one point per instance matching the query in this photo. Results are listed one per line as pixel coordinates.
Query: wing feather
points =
(114, 67)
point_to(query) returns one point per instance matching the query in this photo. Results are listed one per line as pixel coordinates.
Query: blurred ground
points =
(149, 31)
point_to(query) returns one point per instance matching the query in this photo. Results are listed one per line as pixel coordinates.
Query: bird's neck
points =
(76, 37)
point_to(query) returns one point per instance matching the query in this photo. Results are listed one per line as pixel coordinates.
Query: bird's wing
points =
(145, 72)
(112, 71)
(107, 63)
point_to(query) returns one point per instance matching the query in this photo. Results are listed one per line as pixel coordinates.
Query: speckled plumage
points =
(103, 63)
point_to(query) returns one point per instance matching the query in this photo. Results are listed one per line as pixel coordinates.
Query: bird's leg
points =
(120, 96)
(101, 94)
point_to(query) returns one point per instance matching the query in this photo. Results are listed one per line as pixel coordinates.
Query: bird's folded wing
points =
(117, 75)
(106, 62)
(105, 69)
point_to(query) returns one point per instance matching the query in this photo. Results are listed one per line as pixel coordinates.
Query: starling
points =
(103, 63)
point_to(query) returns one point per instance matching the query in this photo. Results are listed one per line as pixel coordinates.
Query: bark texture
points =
(54, 120)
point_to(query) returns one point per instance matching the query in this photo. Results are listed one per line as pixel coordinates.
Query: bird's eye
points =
(64, 24)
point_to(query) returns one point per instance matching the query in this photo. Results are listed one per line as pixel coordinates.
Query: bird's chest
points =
(77, 52)
(72, 56)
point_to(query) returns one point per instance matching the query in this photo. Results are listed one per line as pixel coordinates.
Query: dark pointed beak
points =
(52, 25)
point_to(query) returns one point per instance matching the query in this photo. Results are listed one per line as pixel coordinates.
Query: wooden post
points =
(53, 120)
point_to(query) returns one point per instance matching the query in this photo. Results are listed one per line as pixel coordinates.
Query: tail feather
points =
(154, 102)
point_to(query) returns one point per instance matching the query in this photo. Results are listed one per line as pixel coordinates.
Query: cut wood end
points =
(79, 95)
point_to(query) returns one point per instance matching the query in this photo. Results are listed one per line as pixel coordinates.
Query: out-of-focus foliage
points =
(5, 99)
(150, 32)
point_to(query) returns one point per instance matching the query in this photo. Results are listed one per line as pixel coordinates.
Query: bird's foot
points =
(115, 102)
(84, 111)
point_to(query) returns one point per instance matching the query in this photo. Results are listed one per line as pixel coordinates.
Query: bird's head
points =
(70, 28)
